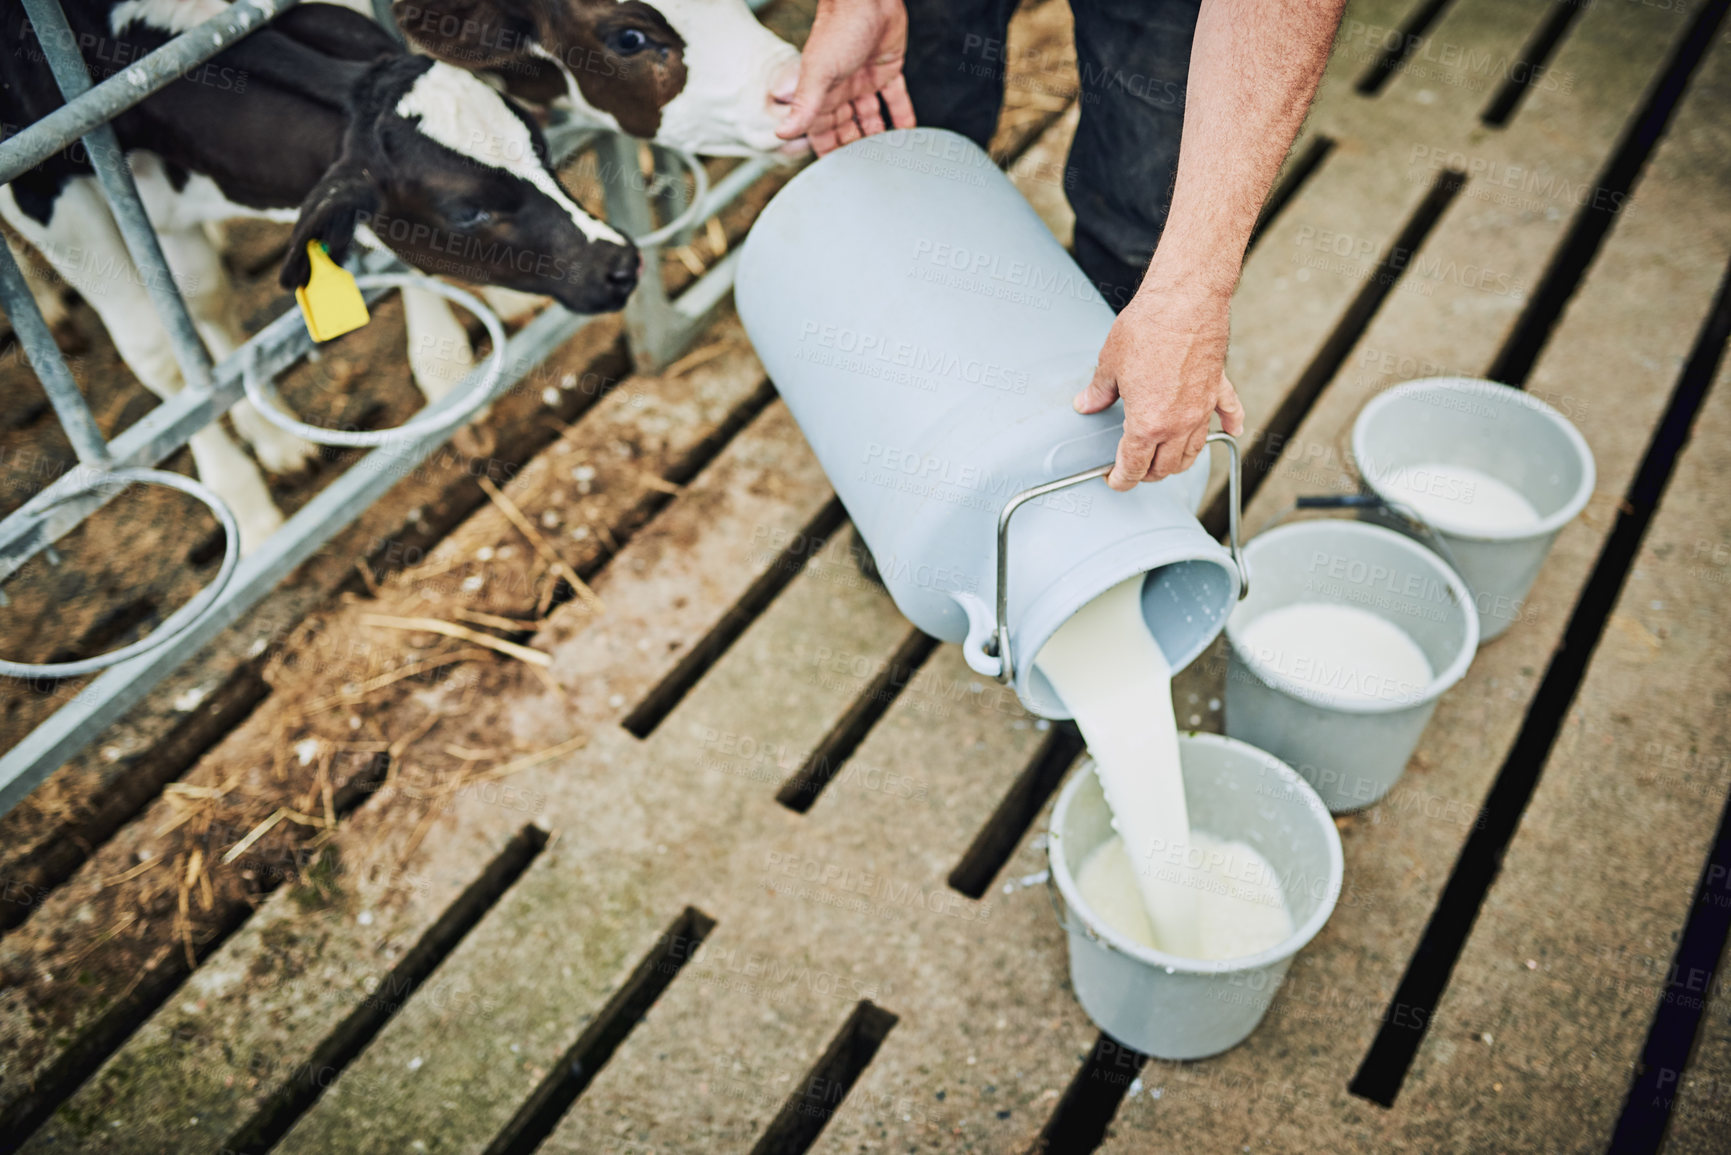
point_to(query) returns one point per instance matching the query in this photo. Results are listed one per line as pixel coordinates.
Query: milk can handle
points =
(1001, 649)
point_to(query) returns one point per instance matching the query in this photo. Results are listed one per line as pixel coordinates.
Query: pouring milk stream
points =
(1200, 897)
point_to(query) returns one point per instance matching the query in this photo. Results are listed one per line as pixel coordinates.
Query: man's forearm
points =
(1254, 67)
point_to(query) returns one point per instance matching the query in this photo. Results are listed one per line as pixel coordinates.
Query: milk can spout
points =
(998, 658)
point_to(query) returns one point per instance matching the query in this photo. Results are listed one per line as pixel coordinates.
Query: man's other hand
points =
(853, 57)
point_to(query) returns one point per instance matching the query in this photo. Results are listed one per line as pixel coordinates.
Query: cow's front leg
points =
(514, 306)
(439, 352)
(440, 357)
(203, 280)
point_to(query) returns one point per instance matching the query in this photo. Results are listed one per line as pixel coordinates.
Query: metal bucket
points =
(928, 333)
(1351, 749)
(1506, 433)
(1166, 1005)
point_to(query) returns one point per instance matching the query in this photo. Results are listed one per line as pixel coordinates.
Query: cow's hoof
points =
(278, 450)
(281, 452)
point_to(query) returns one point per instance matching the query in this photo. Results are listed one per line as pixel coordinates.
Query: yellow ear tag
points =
(330, 301)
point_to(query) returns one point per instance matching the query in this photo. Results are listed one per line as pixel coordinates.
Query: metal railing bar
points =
(169, 426)
(50, 367)
(41, 140)
(732, 186)
(60, 49)
(627, 205)
(99, 704)
(669, 194)
(163, 430)
(661, 328)
(706, 292)
(566, 137)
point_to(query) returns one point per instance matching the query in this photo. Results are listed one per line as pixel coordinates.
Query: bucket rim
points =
(1440, 681)
(1287, 947)
(1507, 394)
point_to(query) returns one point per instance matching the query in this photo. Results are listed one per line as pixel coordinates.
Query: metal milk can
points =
(927, 332)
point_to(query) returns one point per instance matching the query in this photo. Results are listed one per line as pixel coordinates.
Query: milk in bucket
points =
(1241, 910)
(1324, 651)
(1158, 882)
(1459, 498)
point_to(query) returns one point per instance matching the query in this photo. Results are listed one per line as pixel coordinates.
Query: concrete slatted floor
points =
(751, 865)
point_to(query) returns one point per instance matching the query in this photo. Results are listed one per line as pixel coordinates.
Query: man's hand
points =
(1166, 357)
(1253, 69)
(854, 56)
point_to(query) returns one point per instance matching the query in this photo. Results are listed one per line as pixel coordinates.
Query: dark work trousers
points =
(1134, 59)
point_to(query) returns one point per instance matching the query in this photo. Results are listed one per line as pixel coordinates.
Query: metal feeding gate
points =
(657, 325)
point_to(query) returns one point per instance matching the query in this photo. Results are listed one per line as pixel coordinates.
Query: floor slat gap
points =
(1528, 68)
(1078, 1123)
(1593, 221)
(1264, 453)
(1303, 167)
(800, 791)
(547, 1104)
(120, 625)
(1690, 983)
(655, 501)
(1676, 1019)
(1394, 56)
(243, 688)
(276, 1116)
(821, 1093)
(52, 862)
(707, 450)
(1003, 831)
(660, 701)
(159, 979)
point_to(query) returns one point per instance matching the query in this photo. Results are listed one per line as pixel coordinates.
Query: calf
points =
(320, 119)
(702, 75)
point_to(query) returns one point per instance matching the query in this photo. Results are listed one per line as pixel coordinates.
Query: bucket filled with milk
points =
(928, 332)
(1337, 658)
(1191, 868)
(1192, 972)
(1495, 472)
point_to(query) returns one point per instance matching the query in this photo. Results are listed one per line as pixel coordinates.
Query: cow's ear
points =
(468, 33)
(330, 214)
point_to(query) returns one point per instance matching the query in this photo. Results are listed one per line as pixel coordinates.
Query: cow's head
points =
(701, 75)
(454, 177)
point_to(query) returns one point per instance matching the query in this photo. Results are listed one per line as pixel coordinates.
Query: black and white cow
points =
(701, 75)
(320, 119)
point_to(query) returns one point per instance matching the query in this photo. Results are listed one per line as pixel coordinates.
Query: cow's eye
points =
(628, 41)
(471, 219)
